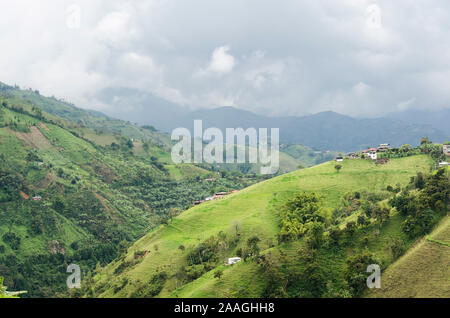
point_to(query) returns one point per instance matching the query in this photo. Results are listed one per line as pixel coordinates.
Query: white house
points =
(233, 260)
(446, 150)
(372, 155)
(383, 147)
(339, 159)
(443, 164)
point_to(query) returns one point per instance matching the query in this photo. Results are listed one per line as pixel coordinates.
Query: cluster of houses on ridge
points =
(218, 195)
(446, 150)
(372, 153)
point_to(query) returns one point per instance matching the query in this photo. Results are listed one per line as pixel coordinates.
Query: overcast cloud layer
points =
(356, 57)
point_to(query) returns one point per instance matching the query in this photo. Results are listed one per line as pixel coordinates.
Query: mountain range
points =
(322, 131)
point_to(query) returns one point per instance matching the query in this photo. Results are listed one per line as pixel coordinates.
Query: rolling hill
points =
(79, 189)
(77, 185)
(175, 260)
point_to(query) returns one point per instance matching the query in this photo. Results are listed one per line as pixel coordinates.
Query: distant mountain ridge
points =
(438, 119)
(322, 131)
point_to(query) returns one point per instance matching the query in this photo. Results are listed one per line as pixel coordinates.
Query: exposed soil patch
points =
(382, 161)
(43, 126)
(23, 195)
(34, 138)
(105, 172)
(104, 202)
(55, 247)
(44, 183)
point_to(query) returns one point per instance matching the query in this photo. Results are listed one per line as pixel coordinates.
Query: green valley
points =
(77, 187)
(185, 257)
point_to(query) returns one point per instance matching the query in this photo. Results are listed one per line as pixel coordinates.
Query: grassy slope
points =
(306, 156)
(90, 120)
(423, 271)
(61, 149)
(252, 208)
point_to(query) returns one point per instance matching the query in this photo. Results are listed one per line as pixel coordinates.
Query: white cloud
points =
(114, 28)
(373, 17)
(360, 57)
(405, 104)
(221, 61)
(360, 89)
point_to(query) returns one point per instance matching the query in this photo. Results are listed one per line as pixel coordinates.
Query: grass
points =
(254, 209)
(423, 271)
(180, 171)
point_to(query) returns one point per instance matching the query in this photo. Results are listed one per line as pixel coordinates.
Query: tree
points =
(129, 143)
(419, 224)
(181, 248)
(356, 274)
(58, 204)
(276, 281)
(368, 208)
(405, 203)
(315, 239)
(419, 181)
(362, 220)
(218, 274)
(335, 234)
(252, 246)
(297, 212)
(350, 228)
(381, 214)
(237, 226)
(338, 167)
(315, 277)
(173, 212)
(38, 112)
(397, 247)
(406, 148)
(425, 141)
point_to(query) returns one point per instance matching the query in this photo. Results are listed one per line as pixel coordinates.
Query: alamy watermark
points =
(374, 279)
(74, 280)
(210, 145)
(73, 18)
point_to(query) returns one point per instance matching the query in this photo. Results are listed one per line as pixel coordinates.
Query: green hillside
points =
(77, 187)
(423, 271)
(184, 258)
(66, 197)
(306, 156)
(104, 130)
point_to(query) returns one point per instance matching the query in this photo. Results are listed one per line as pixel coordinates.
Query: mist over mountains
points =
(322, 131)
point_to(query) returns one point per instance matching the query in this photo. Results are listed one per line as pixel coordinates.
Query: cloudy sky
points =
(356, 57)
